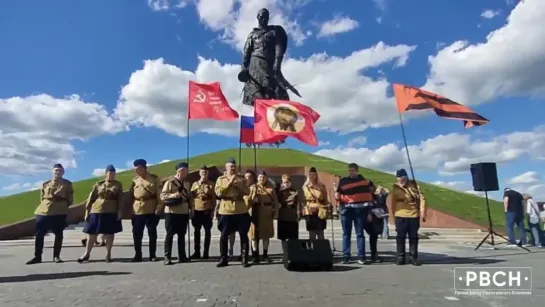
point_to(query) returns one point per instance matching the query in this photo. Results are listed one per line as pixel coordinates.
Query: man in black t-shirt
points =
(514, 215)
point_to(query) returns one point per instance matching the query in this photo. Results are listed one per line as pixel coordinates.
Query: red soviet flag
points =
(280, 117)
(206, 101)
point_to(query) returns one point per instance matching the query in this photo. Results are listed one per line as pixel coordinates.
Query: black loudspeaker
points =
(485, 177)
(307, 255)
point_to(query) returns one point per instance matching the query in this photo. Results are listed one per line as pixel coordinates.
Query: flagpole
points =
(188, 166)
(406, 147)
(255, 158)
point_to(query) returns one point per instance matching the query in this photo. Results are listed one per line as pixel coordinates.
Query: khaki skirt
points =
(265, 223)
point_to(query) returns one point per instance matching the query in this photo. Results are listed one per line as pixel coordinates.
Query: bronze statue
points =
(261, 66)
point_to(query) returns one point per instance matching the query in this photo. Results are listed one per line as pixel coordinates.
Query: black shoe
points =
(266, 259)
(183, 259)
(415, 262)
(57, 260)
(239, 258)
(167, 261)
(137, 258)
(346, 260)
(34, 260)
(84, 242)
(196, 255)
(376, 259)
(255, 257)
(153, 258)
(83, 259)
(205, 255)
(231, 253)
(400, 260)
(223, 263)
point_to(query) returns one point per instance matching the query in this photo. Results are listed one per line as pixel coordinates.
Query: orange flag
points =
(412, 98)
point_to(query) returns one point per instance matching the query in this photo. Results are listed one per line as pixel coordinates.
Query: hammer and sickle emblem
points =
(200, 97)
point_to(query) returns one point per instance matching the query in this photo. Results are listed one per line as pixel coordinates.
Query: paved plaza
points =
(122, 283)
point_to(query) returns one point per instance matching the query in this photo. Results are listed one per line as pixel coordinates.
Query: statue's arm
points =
(247, 51)
(281, 45)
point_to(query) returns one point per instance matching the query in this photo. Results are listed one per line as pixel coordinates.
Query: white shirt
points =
(532, 208)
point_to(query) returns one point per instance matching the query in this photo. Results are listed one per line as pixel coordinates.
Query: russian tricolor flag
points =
(247, 120)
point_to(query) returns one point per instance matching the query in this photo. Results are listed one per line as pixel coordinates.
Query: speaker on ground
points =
(307, 255)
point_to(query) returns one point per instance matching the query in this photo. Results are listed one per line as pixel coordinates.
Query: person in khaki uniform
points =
(233, 211)
(264, 210)
(144, 195)
(205, 202)
(290, 209)
(408, 206)
(315, 210)
(178, 201)
(56, 196)
(250, 182)
(103, 213)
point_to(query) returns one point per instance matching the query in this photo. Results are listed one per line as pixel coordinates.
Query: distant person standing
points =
(205, 202)
(408, 205)
(315, 209)
(514, 215)
(145, 193)
(103, 213)
(355, 197)
(534, 220)
(56, 196)
(289, 212)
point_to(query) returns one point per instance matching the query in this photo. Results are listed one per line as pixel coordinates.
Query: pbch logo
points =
(493, 278)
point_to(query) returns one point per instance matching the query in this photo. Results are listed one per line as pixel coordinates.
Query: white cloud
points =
(359, 140)
(156, 95)
(489, 14)
(380, 4)
(234, 19)
(22, 187)
(480, 72)
(525, 178)
(337, 25)
(165, 5)
(36, 131)
(449, 154)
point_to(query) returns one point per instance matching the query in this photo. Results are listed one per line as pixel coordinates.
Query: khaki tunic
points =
(232, 197)
(106, 197)
(265, 201)
(316, 200)
(204, 195)
(145, 194)
(170, 189)
(290, 205)
(55, 197)
(404, 201)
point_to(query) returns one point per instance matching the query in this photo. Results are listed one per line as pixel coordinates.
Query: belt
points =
(266, 204)
(231, 198)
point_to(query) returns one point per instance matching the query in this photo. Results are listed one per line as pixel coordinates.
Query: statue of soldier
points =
(262, 60)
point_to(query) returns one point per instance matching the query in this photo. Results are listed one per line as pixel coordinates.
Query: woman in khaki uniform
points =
(315, 210)
(289, 212)
(263, 211)
(103, 213)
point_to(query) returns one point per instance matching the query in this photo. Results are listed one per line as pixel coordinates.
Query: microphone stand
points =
(334, 249)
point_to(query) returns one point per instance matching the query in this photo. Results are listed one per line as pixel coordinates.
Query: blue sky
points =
(343, 58)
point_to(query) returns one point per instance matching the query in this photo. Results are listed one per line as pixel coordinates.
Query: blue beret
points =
(140, 162)
(231, 160)
(110, 168)
(204, 167)
(58, 165)
(181, 165)
(401, 173)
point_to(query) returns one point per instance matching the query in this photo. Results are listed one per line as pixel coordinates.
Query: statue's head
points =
(263, 17)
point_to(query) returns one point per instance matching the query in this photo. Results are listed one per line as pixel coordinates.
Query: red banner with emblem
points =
(206, 101)
(275, 118)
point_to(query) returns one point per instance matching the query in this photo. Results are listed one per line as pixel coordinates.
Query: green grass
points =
(469, 207)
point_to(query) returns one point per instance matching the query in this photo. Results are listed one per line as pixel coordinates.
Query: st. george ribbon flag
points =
(207, 101)
(281, 118)
(412, 98)
(247, 121)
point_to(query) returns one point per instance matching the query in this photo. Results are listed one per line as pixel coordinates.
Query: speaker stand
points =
(333, 248)
(491, 232)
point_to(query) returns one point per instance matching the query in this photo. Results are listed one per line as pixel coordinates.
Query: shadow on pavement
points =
(433, 258)
(54, 276)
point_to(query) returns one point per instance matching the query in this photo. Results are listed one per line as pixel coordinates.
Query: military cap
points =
(58, 165)
(140, 162)
(204, 167)
(110, 168)
(401, 173)
(312, 170)
(181, 165)
(263, 173)
(231, 160)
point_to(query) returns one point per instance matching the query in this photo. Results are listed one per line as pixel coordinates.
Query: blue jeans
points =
(386, 229)
(512, 219)
(536, 234)
(354, 216)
